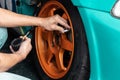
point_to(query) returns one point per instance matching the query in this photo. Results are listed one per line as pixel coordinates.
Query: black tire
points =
(80, 68)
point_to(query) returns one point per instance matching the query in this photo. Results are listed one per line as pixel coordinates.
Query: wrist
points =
(39, 22)
(18, 56)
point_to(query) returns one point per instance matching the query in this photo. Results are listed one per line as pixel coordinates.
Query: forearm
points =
(11, 19)
(8, 60)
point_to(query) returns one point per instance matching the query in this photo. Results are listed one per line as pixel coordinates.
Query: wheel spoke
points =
(51, 13)
(65, 16)
(49, 56)
(48, 38)
(45, 35)
(59, 60)
(66, 44)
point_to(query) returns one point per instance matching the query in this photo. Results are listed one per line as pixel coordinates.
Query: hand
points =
(24, 49)
(51, 23)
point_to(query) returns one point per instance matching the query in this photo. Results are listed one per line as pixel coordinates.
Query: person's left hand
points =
(24, 49)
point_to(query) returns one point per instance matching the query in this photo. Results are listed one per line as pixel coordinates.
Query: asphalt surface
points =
(26, 69)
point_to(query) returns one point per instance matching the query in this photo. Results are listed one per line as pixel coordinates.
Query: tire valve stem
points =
(66, 30)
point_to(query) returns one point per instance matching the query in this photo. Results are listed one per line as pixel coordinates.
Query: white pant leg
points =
(3, 36)
(11, 76)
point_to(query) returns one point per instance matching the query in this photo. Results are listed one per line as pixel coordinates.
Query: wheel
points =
(62, 56)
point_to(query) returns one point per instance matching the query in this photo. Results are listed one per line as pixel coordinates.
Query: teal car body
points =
(102, 30)
(27, 8)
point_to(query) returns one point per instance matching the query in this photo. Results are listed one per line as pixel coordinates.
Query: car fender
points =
(101, 5)
(102, 31)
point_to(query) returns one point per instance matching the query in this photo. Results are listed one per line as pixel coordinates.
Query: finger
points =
(11, 49)
(59, 17)
(24, 37)
(58, 28)
(21, 36)
(27, 40)
(63, 23)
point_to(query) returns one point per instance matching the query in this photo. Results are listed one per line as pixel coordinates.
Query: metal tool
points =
(29, 32)
(66, 30)
(15, 44)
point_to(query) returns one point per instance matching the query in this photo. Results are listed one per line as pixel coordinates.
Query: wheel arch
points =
(99, 27)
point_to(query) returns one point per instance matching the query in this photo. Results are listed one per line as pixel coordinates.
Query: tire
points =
(75, 64)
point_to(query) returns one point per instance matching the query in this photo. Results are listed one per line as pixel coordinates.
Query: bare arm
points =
(9, 60)
(11, 19)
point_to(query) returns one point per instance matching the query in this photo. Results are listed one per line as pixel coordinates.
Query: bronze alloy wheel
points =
(62, 56)
(54, 50)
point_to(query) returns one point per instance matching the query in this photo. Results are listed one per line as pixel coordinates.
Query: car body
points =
(102, 30)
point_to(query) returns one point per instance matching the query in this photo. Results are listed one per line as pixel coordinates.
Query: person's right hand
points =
(24, 49)
(51, 23)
